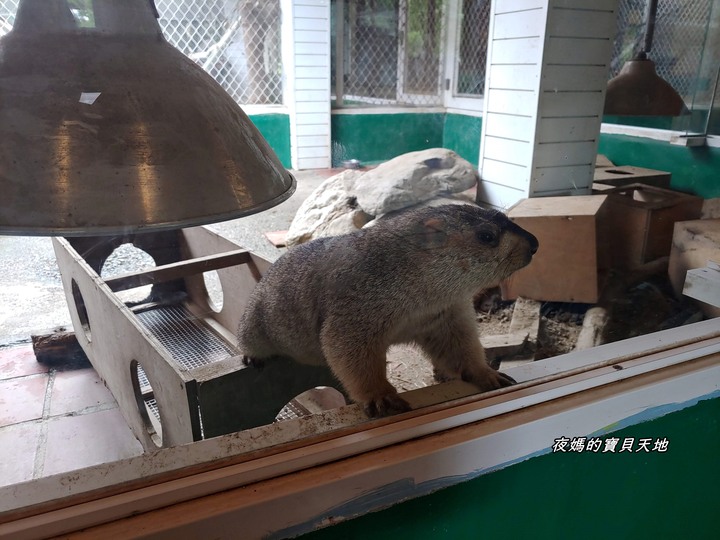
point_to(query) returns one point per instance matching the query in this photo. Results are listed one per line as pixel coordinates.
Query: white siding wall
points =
(306, 59)
(548, 62)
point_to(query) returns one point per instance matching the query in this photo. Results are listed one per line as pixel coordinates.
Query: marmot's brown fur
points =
(344, 300)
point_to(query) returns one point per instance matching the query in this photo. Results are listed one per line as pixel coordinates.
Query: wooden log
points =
(593, 328)
(59, 349)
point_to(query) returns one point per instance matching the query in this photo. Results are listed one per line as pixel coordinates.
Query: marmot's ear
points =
(431, 233)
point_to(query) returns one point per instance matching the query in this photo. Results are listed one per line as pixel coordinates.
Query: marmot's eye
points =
(487, 236)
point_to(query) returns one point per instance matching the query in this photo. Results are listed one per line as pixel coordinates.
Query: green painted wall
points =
(694, 170)
(276, 129)
(589, 496)
(374, 138)
(461, 133)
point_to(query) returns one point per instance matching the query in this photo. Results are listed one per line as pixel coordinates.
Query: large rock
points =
(410, 179)
(348, 201)
(328, 211)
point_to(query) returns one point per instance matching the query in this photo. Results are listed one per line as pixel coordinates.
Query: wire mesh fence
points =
(678, 43)
(237, 41)
(472, 48)
(390, 52)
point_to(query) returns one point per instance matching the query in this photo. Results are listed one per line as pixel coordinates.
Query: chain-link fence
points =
(236, 41)
(678, 42)
(472, 48)
(390, 52)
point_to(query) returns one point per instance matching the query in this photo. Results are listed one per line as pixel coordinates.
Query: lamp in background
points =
(105, 128)
(638, 90)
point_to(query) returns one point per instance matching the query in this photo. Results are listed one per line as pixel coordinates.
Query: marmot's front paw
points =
(385, 405)
(257, 363)
(491, 380)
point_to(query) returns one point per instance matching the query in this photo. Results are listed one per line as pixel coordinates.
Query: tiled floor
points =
(53, 421)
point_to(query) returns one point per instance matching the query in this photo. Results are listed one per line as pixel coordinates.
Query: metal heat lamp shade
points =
(111, 130)
(638, 90)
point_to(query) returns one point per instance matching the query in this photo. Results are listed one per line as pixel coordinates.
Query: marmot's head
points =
(482, 243)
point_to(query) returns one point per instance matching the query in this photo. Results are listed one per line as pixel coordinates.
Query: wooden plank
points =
(506, 174)
(517, 102)
(558, 130)
(581, 23)
(315, 60)
(565, 154)
(313, 95)
(312, 140)
(178, 270)
(561, 178)
(564, 104)
(519, 24)
(517, 51)
(592, 5)
(507, 150)
(313, 163)
(567, 50)
(317, 37)
(563, 78)
(510, 6)
(312, 83)
(310, 72)
(508, 126)
(310, 24)
(499, 195)
(313, 152)
(509, 77)
(312, 107)
(704, 284)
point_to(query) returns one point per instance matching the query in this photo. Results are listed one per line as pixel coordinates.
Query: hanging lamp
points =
(108, 129)
(638, 90)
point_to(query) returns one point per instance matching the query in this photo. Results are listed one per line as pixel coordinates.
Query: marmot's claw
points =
(505, 379)
(386, 405)
(256, 363)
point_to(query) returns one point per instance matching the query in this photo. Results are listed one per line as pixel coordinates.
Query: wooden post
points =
(544, 94)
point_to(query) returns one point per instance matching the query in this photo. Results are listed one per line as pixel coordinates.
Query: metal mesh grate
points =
(190, 343)
(472, 48)
(291, 411)
(391, 52)
(678, 41)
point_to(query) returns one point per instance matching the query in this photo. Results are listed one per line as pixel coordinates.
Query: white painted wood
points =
(568, 129)
(312, 60)
(312, 140)
(510, 6)
(552, 90)
(313, 163)
(517, 102)
(519, 24)
(509, 126)
(565, 154)
(507, 150)
(581, 23)
(704, 284)
(558, 179)
(515, 77)
(564, 50)
(499, 195)
(306, 61)
(516, 51)
(469, 105)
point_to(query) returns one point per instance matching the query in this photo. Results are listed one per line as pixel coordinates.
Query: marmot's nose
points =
(534, 244)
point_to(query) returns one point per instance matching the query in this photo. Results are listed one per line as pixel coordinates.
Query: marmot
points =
(344, 300)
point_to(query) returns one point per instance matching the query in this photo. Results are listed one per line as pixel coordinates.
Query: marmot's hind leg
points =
(362, 372)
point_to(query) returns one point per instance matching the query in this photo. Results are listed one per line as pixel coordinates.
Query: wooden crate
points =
(694, 244)
(569, 264)
(626, 174)
(171, 361)
(641, 220)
